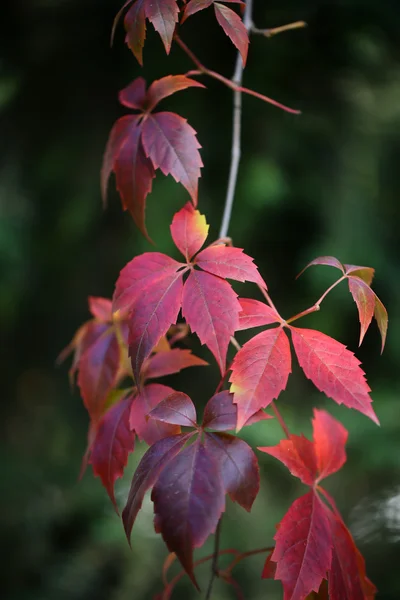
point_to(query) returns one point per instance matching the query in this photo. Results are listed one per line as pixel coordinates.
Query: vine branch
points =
(214, 563)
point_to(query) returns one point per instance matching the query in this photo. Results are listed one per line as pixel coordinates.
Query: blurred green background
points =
(322, 183)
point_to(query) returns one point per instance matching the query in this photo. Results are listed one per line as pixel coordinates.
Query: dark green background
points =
(322, 183)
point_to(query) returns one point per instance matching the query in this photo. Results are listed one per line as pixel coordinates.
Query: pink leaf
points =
(134, 95)
(210, 307)
(151, 465)
(172, 361)
(112, 445)
(172, 146)
(135, 26)
(195, 6)
(140, 273)
(329, 261)
(364, 298)
(303, 550)
(238, 467)
(162, 88)
(260, 371)
(176, 409)
(329, 442)
(189, 230)
(101, 308)
(134, 174)
(98, 370)
(116, 139)
(333, 369)
(229, 263)
(163, 14)
(255, 314)
(234, 28)
(152, 315)
(188, 501)
(146, 400)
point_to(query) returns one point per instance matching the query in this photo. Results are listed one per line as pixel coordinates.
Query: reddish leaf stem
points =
(244, 555)
(268, 299)
(316, 306)
(228, 82)
(280, 419)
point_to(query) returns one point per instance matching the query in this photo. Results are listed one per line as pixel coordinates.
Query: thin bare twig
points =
(275, 30)
(214, 564)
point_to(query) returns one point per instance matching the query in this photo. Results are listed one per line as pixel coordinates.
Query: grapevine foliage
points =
(139, 337)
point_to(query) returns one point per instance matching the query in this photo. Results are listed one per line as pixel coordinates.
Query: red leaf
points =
(329, 442)
(329, 261)
(260, 371)
(269, 569)
(134, 95)
(140, 273)
(210, 307)
(135, 27)
(112, 445)
(172, 361)
(298, 455)
(163, 14)
(229, 263)
(101, 308)
(134, 174)
(98, 370)
(176, 409)
(234, 28)
(189, 230)
(146, 400)
(333, 369)
(166, 86)
(381, 317)
(347, 579)
(188, 501)
(146, 474)
(364, 297)
(196, 5)
(303, 550)
(152, 314)
(118, 136)
(171, 144)
(255, 314)
(238, 467)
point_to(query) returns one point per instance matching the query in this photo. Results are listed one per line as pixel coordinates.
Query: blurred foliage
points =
(322, 183)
